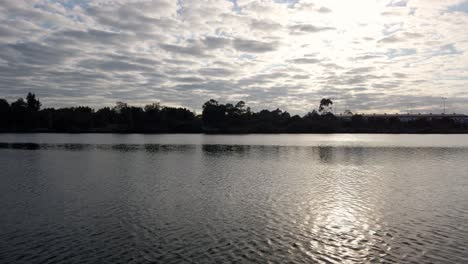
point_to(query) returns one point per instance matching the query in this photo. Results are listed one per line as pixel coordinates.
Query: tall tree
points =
(213, 113)
(4, 113)
(4, 106)
(32, 102)
(325, 106)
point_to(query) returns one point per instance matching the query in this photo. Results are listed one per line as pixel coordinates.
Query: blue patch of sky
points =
(394, 53)
(290, 3)
(462, 7)
(235, 6)
(69, 4)
(448, 49)
(400, 3)
(238, 9)
(247, 57)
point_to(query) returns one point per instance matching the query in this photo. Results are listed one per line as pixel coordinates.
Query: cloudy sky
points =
(367, 55)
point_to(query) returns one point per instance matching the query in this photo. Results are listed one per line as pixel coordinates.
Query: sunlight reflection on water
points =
(131, 202)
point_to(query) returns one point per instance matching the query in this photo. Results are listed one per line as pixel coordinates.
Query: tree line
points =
(26, 115)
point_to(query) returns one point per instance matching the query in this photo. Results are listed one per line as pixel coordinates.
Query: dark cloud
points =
(112, 65)
(324, 10)
(400, 75)
(264, 25)
(300, 76)
(304, 61)
(405, 36)
(216, 72)
(398, 3)
(216, 42)
(412, 35)
(7, 32)
(259, 79)
(193, 50)
(253, 46)
(34, 53)
(308, 28)
(330, 65)
(91, 36)
(188, 79)
(353, 77)
(179, 62)
(136, 17)
(387, 85)
(367, 57)
(360, 70)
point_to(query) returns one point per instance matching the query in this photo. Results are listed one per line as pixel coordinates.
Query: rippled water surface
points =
(224, 199)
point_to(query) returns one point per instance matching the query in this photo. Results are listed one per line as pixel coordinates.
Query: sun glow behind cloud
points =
(368, 55)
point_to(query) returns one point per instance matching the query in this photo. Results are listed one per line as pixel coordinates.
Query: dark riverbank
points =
(212, 132)
(26, 116)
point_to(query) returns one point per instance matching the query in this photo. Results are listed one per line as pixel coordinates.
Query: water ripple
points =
(157, 203)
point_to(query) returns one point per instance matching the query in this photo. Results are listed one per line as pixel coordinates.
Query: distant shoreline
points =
(235, 133)
(26, 116)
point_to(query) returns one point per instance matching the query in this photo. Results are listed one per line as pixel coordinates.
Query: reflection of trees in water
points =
(354, 155)
(330, 154)
(153, 148)
(35, 146)
(325, 154)
(280, 153)
(226, 149)
(29, 146)
(124, 147)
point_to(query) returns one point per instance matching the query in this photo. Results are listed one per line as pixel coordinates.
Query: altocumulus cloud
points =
(371, 56)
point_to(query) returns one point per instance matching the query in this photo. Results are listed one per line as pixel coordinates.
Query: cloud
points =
(308, 28)
(191, 50)
(216, 72)
(399, 3)
(324, 10)
(269, 53)
(402, 37)
(368, 57)
(254, 46)
(264, 25)
(189, 79)
(112, 65)
(35, 54)
(216, 42)
(304, 61)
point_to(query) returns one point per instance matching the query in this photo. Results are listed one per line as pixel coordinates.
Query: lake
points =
(110, 198)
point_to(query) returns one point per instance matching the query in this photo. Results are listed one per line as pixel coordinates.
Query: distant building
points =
(459, 118)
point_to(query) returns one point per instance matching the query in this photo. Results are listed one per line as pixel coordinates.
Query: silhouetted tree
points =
(4, 106)
(325, 106)
(4, 114)
(19, 105)
(213, 114)
(32, 102)
(240, 105)
(19, 114)
(27, 115)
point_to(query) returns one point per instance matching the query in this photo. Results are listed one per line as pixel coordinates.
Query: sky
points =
(366, 55)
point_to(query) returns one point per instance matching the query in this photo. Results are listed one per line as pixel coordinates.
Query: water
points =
(223, 199)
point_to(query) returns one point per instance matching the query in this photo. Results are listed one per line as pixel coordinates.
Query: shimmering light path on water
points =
(214, 199)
